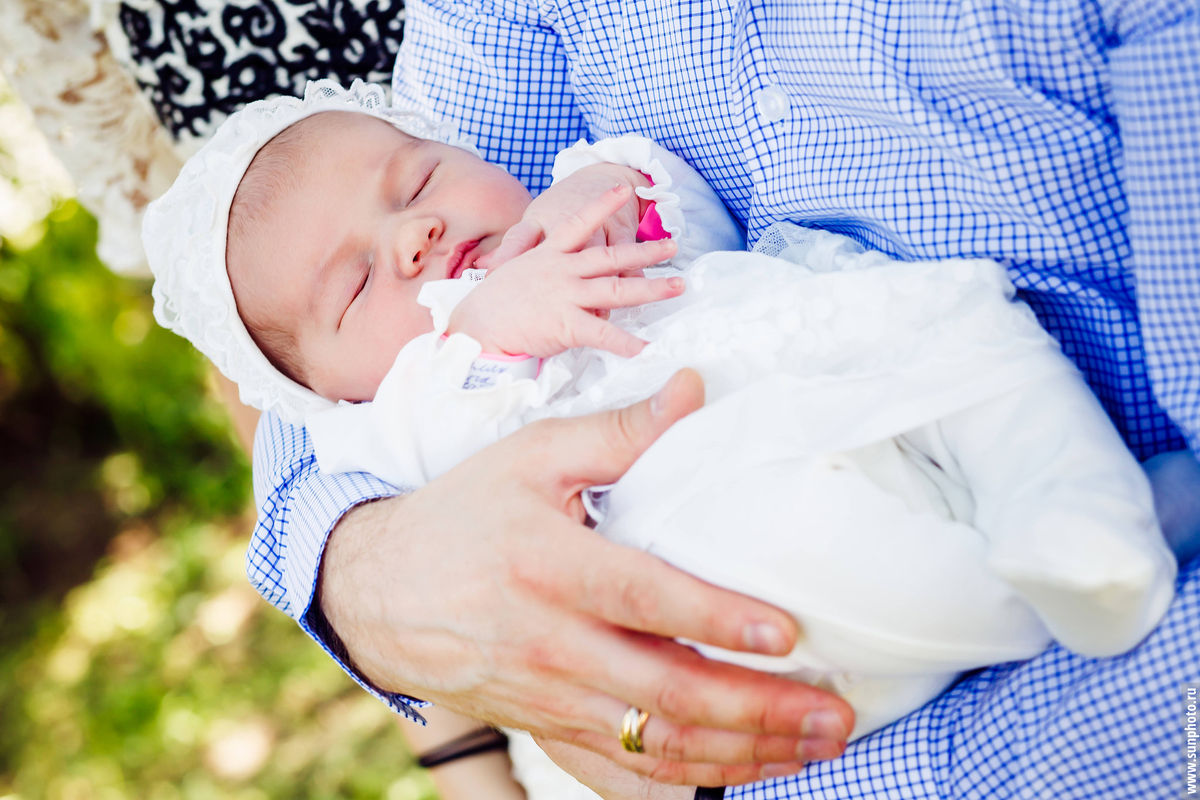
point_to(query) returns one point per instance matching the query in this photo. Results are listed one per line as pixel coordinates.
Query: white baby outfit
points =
(895, 453)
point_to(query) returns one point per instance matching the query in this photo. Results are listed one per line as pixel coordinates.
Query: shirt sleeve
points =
(298, 506)
(1156, 96)
(499, 73)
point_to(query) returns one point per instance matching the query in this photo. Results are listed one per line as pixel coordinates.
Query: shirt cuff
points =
(316, 625)
(312, 522)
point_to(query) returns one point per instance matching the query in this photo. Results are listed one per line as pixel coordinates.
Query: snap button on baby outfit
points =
(772, 103)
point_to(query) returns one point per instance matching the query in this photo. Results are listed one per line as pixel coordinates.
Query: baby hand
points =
(567, 198)
(540, 303)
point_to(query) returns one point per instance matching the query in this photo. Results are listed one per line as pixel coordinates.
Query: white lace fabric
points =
(185, 236)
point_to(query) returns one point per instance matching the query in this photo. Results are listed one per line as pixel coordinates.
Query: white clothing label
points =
(486, 370)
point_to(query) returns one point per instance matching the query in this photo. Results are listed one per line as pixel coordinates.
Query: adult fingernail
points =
(819, 750)
(658, 402)
(763, 637)
(780, 770)
(824, 724)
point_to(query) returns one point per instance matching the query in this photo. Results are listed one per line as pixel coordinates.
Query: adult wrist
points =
(329, 618)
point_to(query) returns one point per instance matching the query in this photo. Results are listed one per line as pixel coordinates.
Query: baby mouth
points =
(461, 258)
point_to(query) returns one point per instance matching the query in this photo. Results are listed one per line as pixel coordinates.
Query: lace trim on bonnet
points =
(184, 234)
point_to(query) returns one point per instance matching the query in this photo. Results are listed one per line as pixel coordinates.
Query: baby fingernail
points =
(675, 283)
(763, 637)
(824, 724)
(780, 770)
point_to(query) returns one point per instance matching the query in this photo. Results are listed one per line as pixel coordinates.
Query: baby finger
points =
(590, 331)
(623, 258)
(616, 292)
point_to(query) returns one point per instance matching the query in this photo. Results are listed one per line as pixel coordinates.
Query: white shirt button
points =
(773, 104)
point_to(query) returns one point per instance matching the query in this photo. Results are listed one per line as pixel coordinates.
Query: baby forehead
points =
(328, 140)
(329, 132)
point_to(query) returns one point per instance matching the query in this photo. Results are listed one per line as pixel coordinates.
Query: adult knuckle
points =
(765, 717)
(623, 431)
(556, 713)
(672, 700)
(669, 772)
(639, 604)
(538, 655)
(546, 656)
(764, 749)
(674, 744)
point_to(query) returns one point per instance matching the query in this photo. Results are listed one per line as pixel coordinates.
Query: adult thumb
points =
(599, 448)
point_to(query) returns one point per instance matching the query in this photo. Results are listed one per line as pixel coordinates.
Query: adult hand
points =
(484, 593)
(614, 781)
(566, 199)
(608, 779)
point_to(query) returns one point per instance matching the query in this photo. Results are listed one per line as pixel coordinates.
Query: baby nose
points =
(416, 241)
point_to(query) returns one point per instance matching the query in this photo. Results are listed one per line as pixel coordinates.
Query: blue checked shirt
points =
(1061, 138)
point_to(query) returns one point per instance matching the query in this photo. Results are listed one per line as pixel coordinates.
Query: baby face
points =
(330, 258)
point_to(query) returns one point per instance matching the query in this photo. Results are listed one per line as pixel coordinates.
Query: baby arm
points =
(1067, 511)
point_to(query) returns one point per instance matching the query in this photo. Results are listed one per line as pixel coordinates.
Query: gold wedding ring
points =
(631, 729)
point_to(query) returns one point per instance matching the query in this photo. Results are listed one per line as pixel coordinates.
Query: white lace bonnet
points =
(184, 234)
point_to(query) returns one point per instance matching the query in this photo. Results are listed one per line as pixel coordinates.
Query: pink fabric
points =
(650, 228)
(506, 358)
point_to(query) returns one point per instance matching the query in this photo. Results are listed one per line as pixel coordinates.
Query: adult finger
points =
(679, 688)
(616, 292)
(628, 588)
(661, 771)
(669, 741)
(606, 778)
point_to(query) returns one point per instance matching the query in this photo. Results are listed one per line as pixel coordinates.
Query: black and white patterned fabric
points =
(200, 60)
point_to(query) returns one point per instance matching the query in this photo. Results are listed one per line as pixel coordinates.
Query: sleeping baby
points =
(894, 453)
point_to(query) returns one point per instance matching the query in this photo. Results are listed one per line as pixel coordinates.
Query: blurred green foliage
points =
(135, 660)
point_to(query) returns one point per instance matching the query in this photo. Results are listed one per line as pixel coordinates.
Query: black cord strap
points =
(710, 793)
(480, 740)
